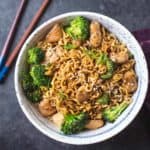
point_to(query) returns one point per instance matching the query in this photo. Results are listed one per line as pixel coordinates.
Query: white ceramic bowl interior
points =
(110, 129)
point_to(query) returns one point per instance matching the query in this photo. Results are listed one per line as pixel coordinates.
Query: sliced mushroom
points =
(94, 124)
(120, 57)
(58, 119)
(130, 81)
(95, 34)
(45, 108)
(55, 34)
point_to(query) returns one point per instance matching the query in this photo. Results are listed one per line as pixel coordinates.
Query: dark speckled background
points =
(16, 132)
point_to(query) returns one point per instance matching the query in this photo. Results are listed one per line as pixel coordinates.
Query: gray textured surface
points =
(16, 132)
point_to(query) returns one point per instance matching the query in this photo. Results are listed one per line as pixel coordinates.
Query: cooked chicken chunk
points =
(82, 94)
(95, 34)
(59, 51)
(58, 119)
(130, 81)
(45, 108)
(120, 57)
(55, 34)
(53, 54)
(94, 124)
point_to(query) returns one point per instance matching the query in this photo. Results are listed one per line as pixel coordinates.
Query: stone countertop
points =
(16, 132)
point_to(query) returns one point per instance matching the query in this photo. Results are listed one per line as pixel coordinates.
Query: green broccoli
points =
(112, 113)
(39, 78)
(31, 90)
(78, 28)
(27, 82)
(107, 75)
(92, 54)
(35, 55)
(110, 69)
(104, 59)
(34, 96)
(104, 99)
(69, 46)
(74, 123)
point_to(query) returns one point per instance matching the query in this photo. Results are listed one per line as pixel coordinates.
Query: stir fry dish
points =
(80, 76)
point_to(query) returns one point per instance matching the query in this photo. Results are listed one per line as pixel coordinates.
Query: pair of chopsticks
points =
(4, 66)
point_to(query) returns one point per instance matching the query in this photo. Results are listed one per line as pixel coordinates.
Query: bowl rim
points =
(64, 138)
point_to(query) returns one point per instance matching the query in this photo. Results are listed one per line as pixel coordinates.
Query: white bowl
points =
(110, 129)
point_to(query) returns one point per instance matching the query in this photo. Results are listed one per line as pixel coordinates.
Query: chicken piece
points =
(82, 94)
(94, 124)
(95, 34)
(55, 34)
(45, 108)
(59, 51)
(98, 116)
(120, 57)
(130, 81)
(52, 55)
(58, 119)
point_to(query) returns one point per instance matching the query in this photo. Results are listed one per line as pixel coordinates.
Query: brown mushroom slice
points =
(55, 34)
(94, 124)
(130, 81)
(58, 119)
(45, 108)
(120, 57)
(95, 34)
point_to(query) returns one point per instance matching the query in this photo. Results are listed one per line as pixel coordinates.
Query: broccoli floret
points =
(107, 75)
(35, 55)
(34, 96)
(104, 99)
(110, 69)
(78, 28)
(90, 53)
(27, 82)
(112, 113)
(39, 78)
(104, 59)
(110, 65)
(32, 92)
(69, 46)
(74, 123)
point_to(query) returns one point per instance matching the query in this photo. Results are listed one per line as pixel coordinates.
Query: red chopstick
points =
(11, 33)
(16, 50)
